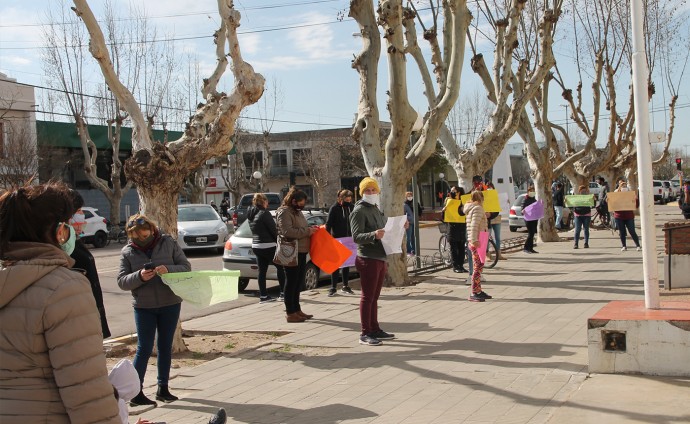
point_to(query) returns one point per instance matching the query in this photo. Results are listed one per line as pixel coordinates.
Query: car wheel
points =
(243, 283)
(513, 228)
(311, 277)
(100, 239)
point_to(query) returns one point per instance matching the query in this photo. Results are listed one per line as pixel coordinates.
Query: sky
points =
(303, 47)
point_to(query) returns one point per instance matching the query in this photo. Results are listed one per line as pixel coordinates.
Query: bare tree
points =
(468, 118)
(320, 165)
(18, 152)
(392, 160)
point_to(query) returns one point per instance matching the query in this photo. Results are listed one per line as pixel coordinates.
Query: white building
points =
(18, 144)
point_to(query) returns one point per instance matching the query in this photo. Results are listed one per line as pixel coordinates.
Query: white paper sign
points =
(395, 230)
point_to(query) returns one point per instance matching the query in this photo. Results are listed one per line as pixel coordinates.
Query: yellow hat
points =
(368, 182)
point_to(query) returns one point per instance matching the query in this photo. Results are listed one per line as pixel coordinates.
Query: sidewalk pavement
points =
(519, 358)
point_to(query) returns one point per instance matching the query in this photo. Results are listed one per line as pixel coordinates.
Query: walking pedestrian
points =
(626, 220)
(457, 232)
(264, 236)
(338, 225)
(583, 217)
(531, 225)
(684, 200)
(558, 204)
(367, 224)
(148, 255)
(293, 225)
(476, 223)
(52, 366)
(84, 261)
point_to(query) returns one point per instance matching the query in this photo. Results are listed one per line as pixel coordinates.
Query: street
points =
(118, 303)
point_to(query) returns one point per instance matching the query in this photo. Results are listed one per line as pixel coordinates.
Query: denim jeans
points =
(497, 235)
(582, 221)
(294, 283)
(630, 225)
(149, 321)
(409, 235)
(371, 275)
(559, 215)
(264, 258)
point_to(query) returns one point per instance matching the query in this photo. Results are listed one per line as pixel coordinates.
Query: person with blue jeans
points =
(583, 217)
(149, 255)
(558, 203)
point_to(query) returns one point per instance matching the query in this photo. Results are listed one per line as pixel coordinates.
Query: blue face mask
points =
(68, 246)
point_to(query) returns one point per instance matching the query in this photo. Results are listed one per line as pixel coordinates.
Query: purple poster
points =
(534, 211)
(350, 244)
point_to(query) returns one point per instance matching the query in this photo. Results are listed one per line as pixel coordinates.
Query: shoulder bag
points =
(286, 252)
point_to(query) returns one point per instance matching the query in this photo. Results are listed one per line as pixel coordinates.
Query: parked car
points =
(95, 231)
(661, 193)
(672, 193)
(238, 254)
(516, 220)
(676, 188)
(239, 214)
(199, 227)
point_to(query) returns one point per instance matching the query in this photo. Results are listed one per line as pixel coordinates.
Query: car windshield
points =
(519, 200)
(657, 183)
(196, 213)
(244, 230)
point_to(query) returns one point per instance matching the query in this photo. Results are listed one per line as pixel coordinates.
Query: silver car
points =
(199, 227)
(516, 220)
(238, 254)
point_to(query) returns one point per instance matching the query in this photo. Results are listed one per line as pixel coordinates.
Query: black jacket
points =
(338, 223)
(558, 199)
(262, 224)
(528, 201)
(84, 262)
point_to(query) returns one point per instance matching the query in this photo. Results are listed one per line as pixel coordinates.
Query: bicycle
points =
(116, 235)
(444, 248)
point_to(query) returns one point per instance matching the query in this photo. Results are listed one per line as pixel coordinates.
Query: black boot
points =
(220, 417)
(142, 400)
(163, 395)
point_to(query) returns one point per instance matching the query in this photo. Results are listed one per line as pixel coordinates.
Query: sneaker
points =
(484, 295)
(623, 249)
(369, 341)
(281, 297)
(266, 299)
(383, 335)
(639, 249)
(533, 251)
(575, 247)
(476, 298)
(347, 290)
(586, 245)
(331, 292)
(526, 251)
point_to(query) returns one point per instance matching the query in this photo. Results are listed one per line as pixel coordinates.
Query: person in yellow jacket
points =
(457, 232)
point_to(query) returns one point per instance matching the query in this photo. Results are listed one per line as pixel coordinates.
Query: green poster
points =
(575, 200)
(204, 288)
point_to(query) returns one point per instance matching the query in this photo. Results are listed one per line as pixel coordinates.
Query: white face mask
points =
(372, 199)
(625, 189)
(409, 198)
(531, 194)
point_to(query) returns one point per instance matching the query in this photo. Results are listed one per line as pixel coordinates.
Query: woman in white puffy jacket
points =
(476, 223)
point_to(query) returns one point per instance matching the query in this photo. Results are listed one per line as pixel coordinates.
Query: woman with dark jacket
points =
(84, 261)
(293, 226)
(531, 225)
(264, 236)
(52, 366)
(338, 225)
(148, 255)
(457, 233)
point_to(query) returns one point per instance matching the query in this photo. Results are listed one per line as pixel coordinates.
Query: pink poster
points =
(483, 244)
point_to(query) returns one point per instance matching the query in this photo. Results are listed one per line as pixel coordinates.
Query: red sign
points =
(211, 182)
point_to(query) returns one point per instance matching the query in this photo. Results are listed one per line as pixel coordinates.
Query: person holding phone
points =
(147, 256)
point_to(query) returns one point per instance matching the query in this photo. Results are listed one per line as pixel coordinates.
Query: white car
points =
(199, 227)
(96, 230)
(238, 254)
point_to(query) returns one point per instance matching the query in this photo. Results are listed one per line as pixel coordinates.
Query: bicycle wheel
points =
(491, 255)
(444, 248)
(122, 237)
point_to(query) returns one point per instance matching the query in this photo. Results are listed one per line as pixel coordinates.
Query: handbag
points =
(286, 252)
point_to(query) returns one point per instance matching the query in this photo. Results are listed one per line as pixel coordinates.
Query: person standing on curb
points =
(583, 217)
(292, 225)
(626, 219)
(476, 223)
(264, 236)
(558, 203)
(149, 255)
(531, 225)
(457, 233)
(338, 225)
(367, 224)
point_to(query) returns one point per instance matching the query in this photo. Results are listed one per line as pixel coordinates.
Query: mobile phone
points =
(149, 266)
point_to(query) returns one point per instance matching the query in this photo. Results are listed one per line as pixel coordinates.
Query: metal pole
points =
(644, 158)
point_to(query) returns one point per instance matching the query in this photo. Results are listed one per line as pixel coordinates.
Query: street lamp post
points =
(257, 176)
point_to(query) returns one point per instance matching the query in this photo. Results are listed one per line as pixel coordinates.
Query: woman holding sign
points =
(476, 223)
(626, 219)
(583, 216)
